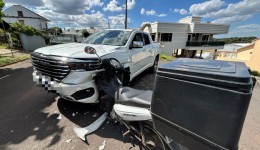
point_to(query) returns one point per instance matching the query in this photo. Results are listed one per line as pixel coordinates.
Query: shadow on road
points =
(144, 81)
(22, 110)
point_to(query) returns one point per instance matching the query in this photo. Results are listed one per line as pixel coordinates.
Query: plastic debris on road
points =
(59, 117)
(73, 115)
(82, 132)
(69, 140)
(95, 115)
(102, 147)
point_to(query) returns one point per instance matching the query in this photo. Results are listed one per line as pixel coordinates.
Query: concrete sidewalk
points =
(7, 51)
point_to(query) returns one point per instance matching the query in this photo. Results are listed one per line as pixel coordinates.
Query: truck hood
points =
(76, 50)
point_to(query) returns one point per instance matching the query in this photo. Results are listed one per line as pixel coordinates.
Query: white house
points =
(230, 50)
(18, 13)
(187, 36)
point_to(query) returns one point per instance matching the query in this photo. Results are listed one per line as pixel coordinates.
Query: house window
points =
(166, 37)
(153, 37)
(205, 37)
(20, 13)
(21, 22)
(138, 37)
(189, 37)
(146, 39)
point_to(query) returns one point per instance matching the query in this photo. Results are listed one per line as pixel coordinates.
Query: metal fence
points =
(30, 43)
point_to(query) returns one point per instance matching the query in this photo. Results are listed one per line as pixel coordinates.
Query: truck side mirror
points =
(137, 44)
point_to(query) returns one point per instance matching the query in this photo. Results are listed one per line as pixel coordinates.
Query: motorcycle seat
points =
(133, 97)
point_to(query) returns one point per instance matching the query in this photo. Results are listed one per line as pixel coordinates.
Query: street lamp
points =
(125, 14)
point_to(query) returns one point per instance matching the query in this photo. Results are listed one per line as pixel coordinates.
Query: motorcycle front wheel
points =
(152, 140)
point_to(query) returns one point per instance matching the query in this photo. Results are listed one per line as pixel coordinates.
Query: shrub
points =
(85, 33)
(255, 73)
(17, 28)
(166, 57)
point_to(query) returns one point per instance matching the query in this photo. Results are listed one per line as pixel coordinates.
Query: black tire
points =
(152, 139)
(126, 78)
(155, 65)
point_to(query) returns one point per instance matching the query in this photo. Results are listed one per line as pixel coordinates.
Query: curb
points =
(2, 67)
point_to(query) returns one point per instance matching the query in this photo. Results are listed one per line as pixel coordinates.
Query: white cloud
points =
(142, 11)
(151, 13)
(57, 19)
(162, 15)
(59, 6)
(118, 21)
(226, 13)
(249, 26)
(231, 19)
(130, 4)
(25, 2)
(244, 30)
(202, 9)
(181, 11)
(114, 5)
(72, 7)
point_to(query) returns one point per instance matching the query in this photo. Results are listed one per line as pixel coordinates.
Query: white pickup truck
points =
(67, 70)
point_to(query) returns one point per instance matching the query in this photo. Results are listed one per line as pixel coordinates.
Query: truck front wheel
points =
(125, 78)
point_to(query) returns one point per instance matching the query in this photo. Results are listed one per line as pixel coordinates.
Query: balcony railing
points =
(204, 43)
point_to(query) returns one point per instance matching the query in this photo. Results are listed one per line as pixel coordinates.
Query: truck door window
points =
(138, 37)
(146, 39)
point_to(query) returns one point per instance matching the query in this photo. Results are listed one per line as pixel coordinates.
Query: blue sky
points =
(242, 15)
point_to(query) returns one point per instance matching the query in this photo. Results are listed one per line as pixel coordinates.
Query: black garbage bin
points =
(201, 104)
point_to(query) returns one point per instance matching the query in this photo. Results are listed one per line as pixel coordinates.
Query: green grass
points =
(3, 46)
(166, 57)
(7, 60)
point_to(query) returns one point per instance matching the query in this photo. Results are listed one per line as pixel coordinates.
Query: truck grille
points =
(53, 67)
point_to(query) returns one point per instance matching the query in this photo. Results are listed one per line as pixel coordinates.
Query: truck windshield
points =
(109, 37)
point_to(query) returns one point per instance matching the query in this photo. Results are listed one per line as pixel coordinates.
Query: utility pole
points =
(125, 14)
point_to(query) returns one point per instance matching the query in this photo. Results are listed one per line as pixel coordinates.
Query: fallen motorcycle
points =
(200, 104)
(127, 106)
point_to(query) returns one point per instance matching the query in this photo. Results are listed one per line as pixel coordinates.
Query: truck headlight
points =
(84, 66)
(79, 66)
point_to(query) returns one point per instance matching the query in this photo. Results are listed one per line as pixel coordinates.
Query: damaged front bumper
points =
(74, 87)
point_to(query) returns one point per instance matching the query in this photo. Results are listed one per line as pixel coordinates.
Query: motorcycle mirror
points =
(90, 50)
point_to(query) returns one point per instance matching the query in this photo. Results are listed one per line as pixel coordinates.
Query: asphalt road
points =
(28, 117)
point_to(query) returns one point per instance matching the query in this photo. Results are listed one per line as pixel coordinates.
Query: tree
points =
(56, 30)
(237, 39)
(85, 33)
(2, 5)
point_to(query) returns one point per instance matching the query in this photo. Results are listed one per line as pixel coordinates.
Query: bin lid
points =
(213, 72)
